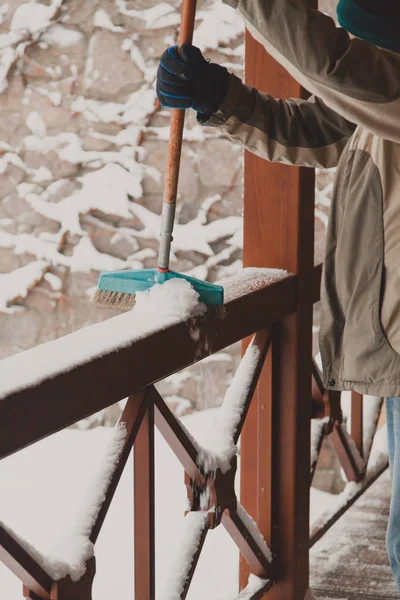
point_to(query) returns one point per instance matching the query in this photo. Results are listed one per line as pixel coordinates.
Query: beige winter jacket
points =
(352, 122)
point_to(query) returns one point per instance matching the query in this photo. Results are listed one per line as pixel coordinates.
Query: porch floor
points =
(350, 561)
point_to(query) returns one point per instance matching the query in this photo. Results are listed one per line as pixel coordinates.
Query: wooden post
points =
(144, 507)
(279, 232)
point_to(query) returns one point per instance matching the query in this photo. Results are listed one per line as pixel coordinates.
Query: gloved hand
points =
(186, 79)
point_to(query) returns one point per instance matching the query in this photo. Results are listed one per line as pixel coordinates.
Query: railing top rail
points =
(102, 371)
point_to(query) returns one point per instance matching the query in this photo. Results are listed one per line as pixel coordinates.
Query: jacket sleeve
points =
(354, 78)
(297, 132)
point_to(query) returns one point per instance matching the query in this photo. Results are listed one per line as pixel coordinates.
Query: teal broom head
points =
(117, 289)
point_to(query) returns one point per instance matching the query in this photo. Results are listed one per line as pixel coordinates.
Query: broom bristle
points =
(118, 300)
(217, 311)
(122, 301)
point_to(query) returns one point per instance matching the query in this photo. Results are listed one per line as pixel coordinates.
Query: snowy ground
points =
(45, 487)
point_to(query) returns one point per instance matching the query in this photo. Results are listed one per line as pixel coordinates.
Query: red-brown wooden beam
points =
(62, 399)
(256, 458)
(65, 398)
(144, 516)
(279, 232)
(131, 420)
(28, 571)
(323, 527)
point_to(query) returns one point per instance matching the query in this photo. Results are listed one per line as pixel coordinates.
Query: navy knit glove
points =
(187, 80)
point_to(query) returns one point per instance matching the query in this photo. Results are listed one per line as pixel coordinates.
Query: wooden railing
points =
(63, 398)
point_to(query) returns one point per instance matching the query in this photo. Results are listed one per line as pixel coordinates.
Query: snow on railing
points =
(93, 368)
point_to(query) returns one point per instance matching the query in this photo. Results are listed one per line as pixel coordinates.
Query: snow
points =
(54, 281)
(206, 206)
(36, 124)
(3, 12)
(69, 148)
(252, 526)
(320, 502)
(180, 405)
(220, 26)
(194, 134)
(255, 584)
(219, 446)
(64, 548)
(97, 188)
(34, 17)
(353, 448)
(378, 460)
(74, 553)
(85, 258)
(215, 358)
(17, 284)
(128, 136)
(164, 305)
(42, 250)
(102, 19)
(53, 95)
(371, 410)
(317, 426)
(10, 158)
(174, 299)
(42, 174)
(186, 543)
(57, 35)
(250, 280)
(192, 235)
(7, 59)
(159, 16)
(149, 70)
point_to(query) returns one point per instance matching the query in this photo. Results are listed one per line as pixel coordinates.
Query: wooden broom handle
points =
(188, 13)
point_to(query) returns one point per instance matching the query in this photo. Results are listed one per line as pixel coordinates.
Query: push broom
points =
(117, 289)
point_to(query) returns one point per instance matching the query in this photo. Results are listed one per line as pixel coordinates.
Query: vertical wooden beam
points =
(144, 508)
(256, 458)
(279, 232)
(357, 420)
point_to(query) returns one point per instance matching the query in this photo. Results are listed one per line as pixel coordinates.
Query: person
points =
(352, 122)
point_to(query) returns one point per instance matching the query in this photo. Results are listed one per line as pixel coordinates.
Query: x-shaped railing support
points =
(211, 491)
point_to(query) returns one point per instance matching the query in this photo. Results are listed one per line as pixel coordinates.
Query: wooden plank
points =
(131, 419)
(262, 340)
(176, 437)
(323, 526)
(188, 576)
(279, 232)
(245, 536)
(317, 392)
(144, 518)
(256, 457)
(245, 593)
(62, 400)
(349, 457)
(28, 571)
